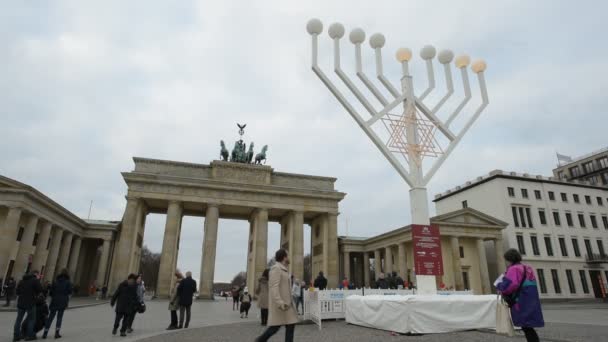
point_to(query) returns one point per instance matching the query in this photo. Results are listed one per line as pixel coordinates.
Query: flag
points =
(563, 159)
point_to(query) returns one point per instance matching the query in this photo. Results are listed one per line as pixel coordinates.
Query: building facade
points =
(592, 168)
(560, 227)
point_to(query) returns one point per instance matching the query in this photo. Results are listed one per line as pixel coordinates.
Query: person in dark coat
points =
(125, 298)
(519, 283)
(42, 314)
(60, 292)
(185, 292)
(381, 283)
(398, 280)
(9, 290)
(320, 282)
(27, 291)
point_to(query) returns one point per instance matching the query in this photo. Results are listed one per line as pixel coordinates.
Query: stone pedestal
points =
(209, 250)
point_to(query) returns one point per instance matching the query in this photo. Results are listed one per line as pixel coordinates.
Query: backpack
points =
(511, 299)
(246, 299)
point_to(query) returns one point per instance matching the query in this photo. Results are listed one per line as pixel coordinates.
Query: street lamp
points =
(412, 135)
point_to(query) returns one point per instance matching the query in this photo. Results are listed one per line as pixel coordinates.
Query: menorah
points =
(412, 135)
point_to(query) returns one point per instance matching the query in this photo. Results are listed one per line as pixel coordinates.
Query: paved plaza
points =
(215, 321)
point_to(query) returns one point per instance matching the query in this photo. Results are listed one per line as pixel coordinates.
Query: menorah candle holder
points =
(412, 132)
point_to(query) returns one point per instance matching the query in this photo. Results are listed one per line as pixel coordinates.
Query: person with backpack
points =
(60, 292)
(245, 299)
(518, 288)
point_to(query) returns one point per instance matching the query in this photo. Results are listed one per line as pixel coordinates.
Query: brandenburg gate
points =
(234, 190)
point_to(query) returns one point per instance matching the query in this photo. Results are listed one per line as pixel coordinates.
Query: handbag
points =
(141, 308)
(511, 299)
(504, 323)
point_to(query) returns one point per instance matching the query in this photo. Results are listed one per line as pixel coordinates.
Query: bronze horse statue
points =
(261, 156)
(224, 151)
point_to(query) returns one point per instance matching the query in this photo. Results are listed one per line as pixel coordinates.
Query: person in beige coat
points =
(281, 310)
(261, 292)
(174, 301)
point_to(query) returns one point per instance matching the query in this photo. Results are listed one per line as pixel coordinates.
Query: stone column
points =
(123, 251)
(377, 263)
(261, 245)
(167, 256)
(140, 226)
(332, 248)
(402, 263)
(74, 256)
(64, 252)
(388, 260)
(8, 238)
(347, 266)
(297, 247)
(324, 224)
(483, 267)
(51, 261)
(366, 279)
(456, 264)
(209, 248)
(42, 251)
(500, 257)
(103, 263)
(25, 247)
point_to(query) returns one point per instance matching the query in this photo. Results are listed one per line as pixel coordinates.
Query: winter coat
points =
(526, 312)
(28, 289)
(262, 292)
(185, 291)
(60, 292)
(399, 281)
(125, 298)
(140, 292)
(281, 310)
(382, 284)
(320, 282)
(173, 298)
(295, 290)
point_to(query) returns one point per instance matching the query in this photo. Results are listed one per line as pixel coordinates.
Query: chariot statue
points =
(239, 153)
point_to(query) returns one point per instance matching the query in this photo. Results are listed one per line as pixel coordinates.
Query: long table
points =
(422, 314)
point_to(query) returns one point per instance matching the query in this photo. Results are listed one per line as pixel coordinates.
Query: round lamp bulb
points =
(479, 66)
(314, 26)
(445, 56)
(357, 36)
(428, 52)
(377, 40)
(462, 61)
(336, 30)
(403, 55)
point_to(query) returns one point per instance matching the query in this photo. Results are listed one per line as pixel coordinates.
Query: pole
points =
(90, 207)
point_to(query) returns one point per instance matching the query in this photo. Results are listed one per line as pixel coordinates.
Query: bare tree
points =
(239, 279)
(149, 266)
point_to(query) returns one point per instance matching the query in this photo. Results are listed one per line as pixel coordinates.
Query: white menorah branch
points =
(418, 132)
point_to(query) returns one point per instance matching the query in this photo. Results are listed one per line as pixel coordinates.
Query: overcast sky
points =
(85, 86)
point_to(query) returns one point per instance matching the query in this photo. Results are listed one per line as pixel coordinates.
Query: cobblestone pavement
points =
(215, 321)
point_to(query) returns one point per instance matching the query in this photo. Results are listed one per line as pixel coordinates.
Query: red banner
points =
(427, 250)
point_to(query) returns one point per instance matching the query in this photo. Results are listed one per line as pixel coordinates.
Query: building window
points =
(511, 192)
(588, 248)
(603, 163)
(594, 180)
(588, 167)
(35, 241)
(577, 250)
(529, 216)
(549, 245)
(20, 233)
(605, 178)
(581, 220)
(570, 281)
(537, 194)
(600, 247)
(515, 220)
(465, 280)
(552, 195)
(600, 201)
(588, 199)
(584, 281)
(576, 198)
(564, 197)
(561, 175)
(556, 218)
(520, 244)
(461, 250)
(562, 246)
(534, 241)
(575, 171)
(555, 277)
(541, 280)
(569, 219)
(593, 221)
(524, 193)
(543, 218)
(465, 204)
(605, 221)
(521, 216)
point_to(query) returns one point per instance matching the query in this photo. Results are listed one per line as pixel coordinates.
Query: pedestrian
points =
(28, 290)
(235, 297)
(262, 292)
(295, 293)
(520, 291)
(245, 299)
(320, 282)
(185, 292)
(398, 280)
(9, 290)
(344, 284)
(174, 301)
(301, 298)
(60, 292)
(381, 283)
(125, 298)
(104, 292)
(140, 302)
(281, 309)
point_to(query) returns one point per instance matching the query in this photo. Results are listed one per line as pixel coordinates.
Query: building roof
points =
(578, 159)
